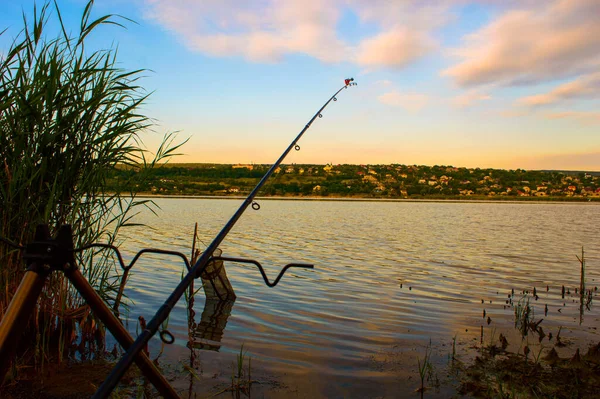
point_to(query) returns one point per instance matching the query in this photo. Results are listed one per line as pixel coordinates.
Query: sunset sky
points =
(490, 83)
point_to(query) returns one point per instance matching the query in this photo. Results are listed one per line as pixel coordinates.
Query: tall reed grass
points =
(68, 117)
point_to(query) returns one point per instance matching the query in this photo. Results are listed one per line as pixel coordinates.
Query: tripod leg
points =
(15, 319)
(119, 332)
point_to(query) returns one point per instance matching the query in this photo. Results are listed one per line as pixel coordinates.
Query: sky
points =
(490, 83)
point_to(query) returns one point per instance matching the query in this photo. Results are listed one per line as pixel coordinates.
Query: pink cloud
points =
(587, 86)
(259, 32)
(542, 43)
(268, 30)
(394, 48)
(588, 117)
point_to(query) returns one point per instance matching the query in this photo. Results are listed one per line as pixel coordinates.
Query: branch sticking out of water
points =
(581, 285)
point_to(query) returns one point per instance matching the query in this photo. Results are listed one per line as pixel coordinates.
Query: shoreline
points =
(346, 199)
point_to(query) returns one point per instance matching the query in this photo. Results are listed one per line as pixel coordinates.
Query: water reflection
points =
(384, 273)
(207, 334)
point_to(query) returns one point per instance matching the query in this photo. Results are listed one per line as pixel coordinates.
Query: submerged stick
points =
(581, 285)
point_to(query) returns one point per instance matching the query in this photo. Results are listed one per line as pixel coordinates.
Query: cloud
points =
(542, 43)
(406, 30)
(587, 86)
(412, 102)
(469, 98)
(260, 34)
(395, 48)
(268, 30)
(588, 117)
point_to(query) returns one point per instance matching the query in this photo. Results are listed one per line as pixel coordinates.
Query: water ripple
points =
(384, 272)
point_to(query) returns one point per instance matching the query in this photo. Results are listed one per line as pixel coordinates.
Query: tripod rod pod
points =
(44, 256)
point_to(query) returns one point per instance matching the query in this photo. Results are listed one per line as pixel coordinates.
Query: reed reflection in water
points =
(386, 274)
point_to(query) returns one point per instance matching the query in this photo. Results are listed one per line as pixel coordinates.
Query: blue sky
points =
(504, 84)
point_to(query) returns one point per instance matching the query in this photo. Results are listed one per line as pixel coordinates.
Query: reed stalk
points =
(69, 116)
(582, 293)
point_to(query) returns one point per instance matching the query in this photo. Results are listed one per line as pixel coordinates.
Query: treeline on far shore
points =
(361, 181)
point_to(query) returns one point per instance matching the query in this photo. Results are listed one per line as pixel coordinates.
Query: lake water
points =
(389, 278)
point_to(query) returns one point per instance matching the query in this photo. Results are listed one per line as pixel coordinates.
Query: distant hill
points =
(201, 164)
(361, 181)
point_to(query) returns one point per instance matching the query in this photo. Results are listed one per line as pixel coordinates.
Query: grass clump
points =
(68, 116)
(426, 370)
(514, 375)
(241, 379)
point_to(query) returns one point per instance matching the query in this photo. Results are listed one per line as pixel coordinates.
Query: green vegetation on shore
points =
(363, 181)
(68, 116)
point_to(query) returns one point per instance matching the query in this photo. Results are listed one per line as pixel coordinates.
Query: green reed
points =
(68, 116)
(426, 369)
(241, 380)
(523, 315)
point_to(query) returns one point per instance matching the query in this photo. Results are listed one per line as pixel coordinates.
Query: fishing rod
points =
(163, 312)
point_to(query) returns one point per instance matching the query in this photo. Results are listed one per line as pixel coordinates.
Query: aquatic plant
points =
(522, 315)
(515, 376)
(239, 368)
(585, 296)
(525, 318)
(69, 116)
(426, 370)
(454, 347)
(239, 384)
